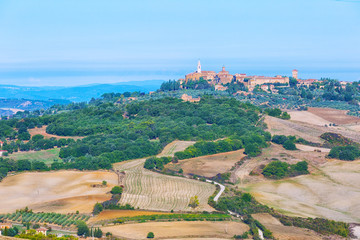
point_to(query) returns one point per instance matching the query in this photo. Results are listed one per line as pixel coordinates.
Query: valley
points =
(169, 188)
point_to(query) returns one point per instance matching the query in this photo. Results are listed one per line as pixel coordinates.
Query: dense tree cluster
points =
(288, 142)
(278, 169)
(37, 142)
(320, 225)
(233, 87)
(275, 112)
(150, 126)
(252, 144)
(208, 148)
(241, 203)
(200, 84)
(348, 153)
(9, 165)
(157, 163)
(118, 132)
(170, 85)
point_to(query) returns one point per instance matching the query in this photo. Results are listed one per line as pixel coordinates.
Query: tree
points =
(194, 202)
(82, 229)
(98, 233)
(150, 235)
(104, 183)
(289, 145)
(116, 190)
(98, 207)
(36, 226)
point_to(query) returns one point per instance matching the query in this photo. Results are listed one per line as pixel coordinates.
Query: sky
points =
(67, 42)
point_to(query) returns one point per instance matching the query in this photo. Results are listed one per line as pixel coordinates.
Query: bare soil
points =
(183, 229)
(309, 131)
(42, 131)
(312, 149)
(332, 191)
(208, 166)
(61, 191)
(338, 117)
(308, 117)
(112, 214)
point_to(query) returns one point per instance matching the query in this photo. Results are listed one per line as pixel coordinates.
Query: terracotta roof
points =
(41, 229)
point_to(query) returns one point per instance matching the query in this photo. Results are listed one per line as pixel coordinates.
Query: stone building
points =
(223, 77)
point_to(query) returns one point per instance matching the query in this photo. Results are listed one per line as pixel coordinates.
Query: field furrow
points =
(153, 191)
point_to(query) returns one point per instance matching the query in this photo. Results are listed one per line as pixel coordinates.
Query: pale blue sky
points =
(67, 42)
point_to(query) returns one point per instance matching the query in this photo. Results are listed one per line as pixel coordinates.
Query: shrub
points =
(97, 208)
(278, 169)
(348, 153)
(289, 145)
(279, 139)
(150, 235)
(116, 190)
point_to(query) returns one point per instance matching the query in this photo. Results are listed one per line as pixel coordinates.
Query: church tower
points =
(295, 74)
(198, 67)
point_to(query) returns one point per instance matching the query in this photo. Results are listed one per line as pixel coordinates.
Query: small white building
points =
(42, 230)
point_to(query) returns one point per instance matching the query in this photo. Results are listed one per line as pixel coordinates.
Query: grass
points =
(176, 217)
(46, 156)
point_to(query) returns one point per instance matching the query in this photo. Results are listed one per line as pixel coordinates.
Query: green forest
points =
(116, 132)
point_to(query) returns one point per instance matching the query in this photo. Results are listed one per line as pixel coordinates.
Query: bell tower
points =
(198, 67)
(295, 74)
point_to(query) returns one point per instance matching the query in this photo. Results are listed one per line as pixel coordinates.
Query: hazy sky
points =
(68, 42)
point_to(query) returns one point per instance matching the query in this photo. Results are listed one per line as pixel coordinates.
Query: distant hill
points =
(77, 93)
(19, 98)
(11, 106)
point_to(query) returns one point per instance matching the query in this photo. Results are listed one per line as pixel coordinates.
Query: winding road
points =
(222, 189)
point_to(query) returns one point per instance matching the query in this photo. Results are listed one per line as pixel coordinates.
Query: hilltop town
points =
(221, 79)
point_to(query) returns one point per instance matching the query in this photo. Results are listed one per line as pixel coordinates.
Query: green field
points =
(46, 156)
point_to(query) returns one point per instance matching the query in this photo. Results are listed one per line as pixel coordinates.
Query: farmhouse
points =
(5, 225)
(42, 230)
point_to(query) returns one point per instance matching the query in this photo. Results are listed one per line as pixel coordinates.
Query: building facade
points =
(224, 77)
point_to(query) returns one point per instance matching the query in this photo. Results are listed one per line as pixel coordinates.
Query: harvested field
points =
(282, 232)
(208, 166)
(308, 117)
(61, 191)
(154, 191)
(308, 131)
(285, 127)
(275, 152)
(338, 117)
(42, 131)
(112, 214)
(306, 148)
(183, 229)
(175, 146)
(46, 156)
(330, 192)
